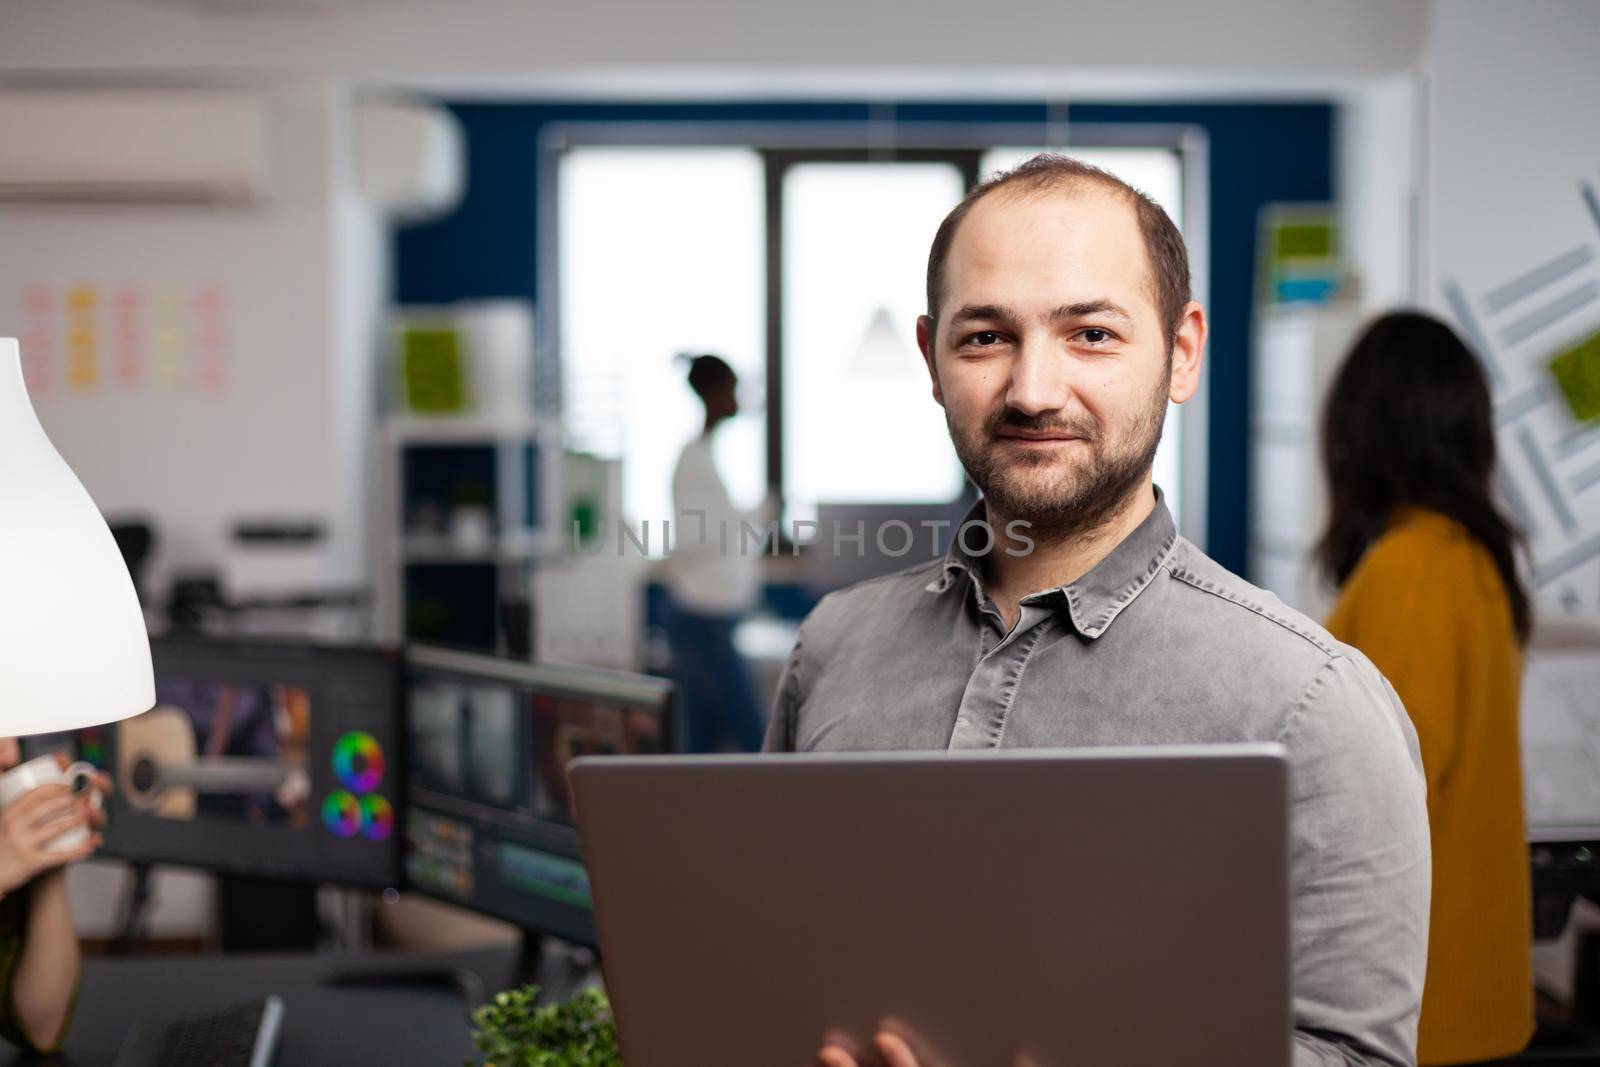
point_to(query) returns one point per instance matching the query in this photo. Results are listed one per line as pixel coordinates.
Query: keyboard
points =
(240, 1035)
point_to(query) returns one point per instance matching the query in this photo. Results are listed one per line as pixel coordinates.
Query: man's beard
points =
(1085, 493)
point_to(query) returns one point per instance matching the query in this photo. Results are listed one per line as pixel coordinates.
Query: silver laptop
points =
(1123, 906)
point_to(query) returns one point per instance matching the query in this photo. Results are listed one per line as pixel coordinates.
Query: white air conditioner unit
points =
(410, 159)
(131, 147)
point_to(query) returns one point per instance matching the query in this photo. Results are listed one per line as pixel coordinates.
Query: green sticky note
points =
(434, 371)
(1303, 240)
(1577, 372)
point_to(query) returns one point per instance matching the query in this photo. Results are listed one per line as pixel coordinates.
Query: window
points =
(662, 251)
(855, 250)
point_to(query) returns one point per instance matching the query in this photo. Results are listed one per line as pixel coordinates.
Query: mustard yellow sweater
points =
(1427, 606)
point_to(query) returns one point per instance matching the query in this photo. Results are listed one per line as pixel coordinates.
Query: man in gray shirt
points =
(1069, 612)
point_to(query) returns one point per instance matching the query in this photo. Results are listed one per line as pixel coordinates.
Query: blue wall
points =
(1258, 153)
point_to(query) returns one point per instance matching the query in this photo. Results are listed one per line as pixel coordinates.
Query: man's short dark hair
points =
(1163, 244)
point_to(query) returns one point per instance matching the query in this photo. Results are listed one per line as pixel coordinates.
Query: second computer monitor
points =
(490, 821)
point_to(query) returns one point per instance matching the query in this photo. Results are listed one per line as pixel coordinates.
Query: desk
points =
(349, 1026)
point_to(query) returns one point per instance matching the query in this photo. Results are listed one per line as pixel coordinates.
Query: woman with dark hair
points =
(1428, 589)
(713, 579)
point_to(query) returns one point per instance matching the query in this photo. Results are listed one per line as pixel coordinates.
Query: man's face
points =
(1049, 356)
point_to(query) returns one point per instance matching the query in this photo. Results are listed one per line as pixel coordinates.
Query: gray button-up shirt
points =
(1158, 644)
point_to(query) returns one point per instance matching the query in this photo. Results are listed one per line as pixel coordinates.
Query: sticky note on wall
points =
(1577, 372)
(83, 335)
(433, 370)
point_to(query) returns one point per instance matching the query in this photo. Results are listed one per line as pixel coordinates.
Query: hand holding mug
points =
(49, 816)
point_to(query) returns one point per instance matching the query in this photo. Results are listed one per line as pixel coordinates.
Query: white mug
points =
(43, 770)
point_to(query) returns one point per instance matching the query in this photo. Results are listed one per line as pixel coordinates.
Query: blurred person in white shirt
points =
(713, 580)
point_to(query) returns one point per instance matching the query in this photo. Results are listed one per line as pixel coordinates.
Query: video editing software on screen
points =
(490, 820)
(259, 758)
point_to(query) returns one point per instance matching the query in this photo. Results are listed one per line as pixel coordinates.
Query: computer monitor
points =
(259, 758)
(489, 811)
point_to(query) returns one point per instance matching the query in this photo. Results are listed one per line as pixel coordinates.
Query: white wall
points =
(1377, 187)
(363, 288)
(182, 903)
(1511, 133)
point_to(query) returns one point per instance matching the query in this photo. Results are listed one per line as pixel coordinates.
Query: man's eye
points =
(984, 339)
(1094, 335)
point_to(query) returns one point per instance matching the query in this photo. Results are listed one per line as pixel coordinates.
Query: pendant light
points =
(73, 646)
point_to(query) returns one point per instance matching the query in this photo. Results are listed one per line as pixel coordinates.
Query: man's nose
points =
(1039, 378)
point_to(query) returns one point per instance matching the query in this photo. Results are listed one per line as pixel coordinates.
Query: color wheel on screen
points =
(341, 813)
(358, 762)
(377, 817)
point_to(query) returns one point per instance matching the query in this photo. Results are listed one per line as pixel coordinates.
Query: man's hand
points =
(892, 1048)
(893, 1043)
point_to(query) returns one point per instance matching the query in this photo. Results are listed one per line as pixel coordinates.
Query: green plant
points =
(512, 1032)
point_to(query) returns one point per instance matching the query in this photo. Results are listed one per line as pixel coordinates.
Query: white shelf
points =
(516, 547)
(463, 429)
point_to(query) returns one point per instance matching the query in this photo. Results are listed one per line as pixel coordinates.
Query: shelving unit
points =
(468, 509)
(508, 582)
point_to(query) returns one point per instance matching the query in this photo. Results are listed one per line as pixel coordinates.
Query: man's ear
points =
(926, 345)
(1188, 353)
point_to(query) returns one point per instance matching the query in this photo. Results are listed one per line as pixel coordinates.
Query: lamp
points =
(881, 350)
(73, 647)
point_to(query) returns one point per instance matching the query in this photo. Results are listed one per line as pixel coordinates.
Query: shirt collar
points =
(1098, 597)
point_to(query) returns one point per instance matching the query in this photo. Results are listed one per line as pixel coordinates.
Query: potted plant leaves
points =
(513, 1032)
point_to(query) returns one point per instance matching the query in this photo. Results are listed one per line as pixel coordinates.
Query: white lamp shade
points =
(73, 648)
